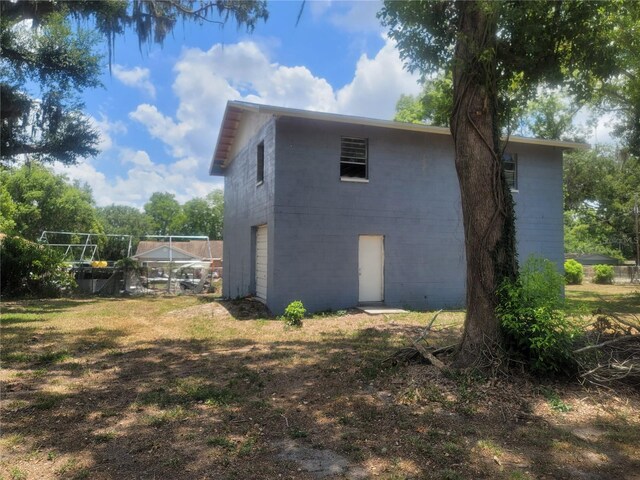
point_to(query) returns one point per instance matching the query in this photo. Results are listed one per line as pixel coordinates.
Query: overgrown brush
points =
(603, 274)
(534, 327)
(31, 269)
(573, 272)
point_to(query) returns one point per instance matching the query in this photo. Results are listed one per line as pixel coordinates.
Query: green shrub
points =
(294, 313)
(603, 274)
(31, 269)
(573, 272)
(542, 284)
(534, 327)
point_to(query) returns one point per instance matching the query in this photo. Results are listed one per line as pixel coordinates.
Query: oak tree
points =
(498, 53)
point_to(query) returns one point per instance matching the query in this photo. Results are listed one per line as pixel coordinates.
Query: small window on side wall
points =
(510, 165)
(260, 164)
(353, 158)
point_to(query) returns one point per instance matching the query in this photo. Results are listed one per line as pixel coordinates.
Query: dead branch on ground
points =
(420, 349)
(611, 350)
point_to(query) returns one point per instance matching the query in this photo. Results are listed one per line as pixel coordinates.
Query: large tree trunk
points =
(487, 207)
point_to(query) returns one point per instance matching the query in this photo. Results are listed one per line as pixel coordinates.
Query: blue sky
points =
(160, 109)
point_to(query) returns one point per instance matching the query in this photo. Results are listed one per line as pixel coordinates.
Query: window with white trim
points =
(354, 158)
(510, 166)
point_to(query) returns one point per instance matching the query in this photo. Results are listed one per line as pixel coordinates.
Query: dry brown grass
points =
(187, 387)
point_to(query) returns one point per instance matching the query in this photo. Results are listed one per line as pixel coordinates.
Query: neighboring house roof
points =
(235, 110)
(593, 259)
(193, 249)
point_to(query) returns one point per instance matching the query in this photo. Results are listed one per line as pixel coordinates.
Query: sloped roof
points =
(236, 109)
(193, 248)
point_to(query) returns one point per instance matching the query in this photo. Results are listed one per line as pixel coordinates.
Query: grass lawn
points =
(190, 387)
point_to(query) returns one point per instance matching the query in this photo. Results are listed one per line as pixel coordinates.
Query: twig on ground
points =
(420, 349)
(635, 338)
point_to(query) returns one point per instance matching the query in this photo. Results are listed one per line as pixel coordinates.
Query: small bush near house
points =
(535, 329)
(603, 274)
(573, 272)
(294, 313)
(30, 269)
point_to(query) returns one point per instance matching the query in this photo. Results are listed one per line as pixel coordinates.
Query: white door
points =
(371, 268)
(261, 262)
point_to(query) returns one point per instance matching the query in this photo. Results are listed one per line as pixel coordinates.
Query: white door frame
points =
(261, 261)
(370, 268)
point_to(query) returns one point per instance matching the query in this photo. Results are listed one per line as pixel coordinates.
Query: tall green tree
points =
(600, 189)
(621, 95)
(216, 202)
(7, 211)
(432, 106)
(203, 216)
(125, 220)
(550, 115)
(45, 201)
(166, 213)
(499, 53)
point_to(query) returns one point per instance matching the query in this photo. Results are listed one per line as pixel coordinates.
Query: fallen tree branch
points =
(427, 355)
(426, 331)
(419, 349)
(445, 350)
(608, 342)
(619, 319)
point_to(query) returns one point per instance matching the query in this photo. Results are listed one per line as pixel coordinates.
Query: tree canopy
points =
(125, 220)
(48, 56)
(432, 106)
(165, 212)
(34, 199)
(621, 95)
(499, 54)
(42, 200)
(203, 216)
(43, 66)
(600, 190)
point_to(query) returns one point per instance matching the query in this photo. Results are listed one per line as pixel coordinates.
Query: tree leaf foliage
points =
(49, 55)
(43, 66)
(537, 43)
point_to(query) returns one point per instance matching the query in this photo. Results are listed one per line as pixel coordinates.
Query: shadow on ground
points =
(211, 409)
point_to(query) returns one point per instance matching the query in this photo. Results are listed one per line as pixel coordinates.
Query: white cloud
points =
(135, 77)
(599, 130)
(105, 129)
(204, 81)
(141, 180)
(358, 17)
(318, 8)
(139, 158)
(377, 84)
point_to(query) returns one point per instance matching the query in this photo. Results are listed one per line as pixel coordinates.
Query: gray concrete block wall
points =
(539, 203)
(246, 206)
(412, 199)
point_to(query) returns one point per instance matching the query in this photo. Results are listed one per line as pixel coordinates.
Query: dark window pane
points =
(260, 163)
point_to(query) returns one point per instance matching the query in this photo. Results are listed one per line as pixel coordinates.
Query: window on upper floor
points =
(510, 165)
(260, 164)
(354, 159)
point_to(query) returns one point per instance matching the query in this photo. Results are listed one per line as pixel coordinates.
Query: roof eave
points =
(234, 110)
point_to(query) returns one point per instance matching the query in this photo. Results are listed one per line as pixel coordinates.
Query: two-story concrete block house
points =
(337, 210)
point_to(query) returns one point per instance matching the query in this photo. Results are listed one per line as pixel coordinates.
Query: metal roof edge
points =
(217, 161)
